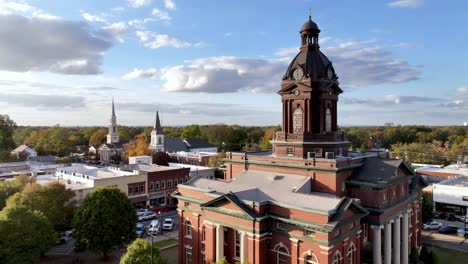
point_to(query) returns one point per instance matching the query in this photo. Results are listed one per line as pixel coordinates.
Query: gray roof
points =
(273, 187)
(195, 143)
(174, 144)
(378, 170)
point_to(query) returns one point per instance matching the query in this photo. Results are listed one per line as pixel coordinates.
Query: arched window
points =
(328, 120)
(203, 233)
(159, 140)
(351, 254)
(282, 254)
(188, 228)
(337, 258)
(297, 120)
(310, 259)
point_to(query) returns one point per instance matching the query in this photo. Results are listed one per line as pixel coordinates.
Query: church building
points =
(311, 200)
(113, 147)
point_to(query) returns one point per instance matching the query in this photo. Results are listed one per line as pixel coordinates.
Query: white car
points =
(147, 216)
(142, 211)
(153, 228)
(462, 231)
(168, 224)
(432, 226)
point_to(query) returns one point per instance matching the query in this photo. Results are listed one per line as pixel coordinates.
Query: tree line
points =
(421, 144)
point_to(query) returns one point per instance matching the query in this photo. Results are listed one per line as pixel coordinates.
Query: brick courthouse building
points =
(310, 200)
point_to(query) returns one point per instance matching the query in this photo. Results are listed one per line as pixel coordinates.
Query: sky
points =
(208, 62)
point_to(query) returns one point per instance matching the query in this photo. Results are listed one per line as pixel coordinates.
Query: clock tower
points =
(309, 94)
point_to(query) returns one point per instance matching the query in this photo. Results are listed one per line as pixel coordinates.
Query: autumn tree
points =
(105, 220)
(140, 252)
(138, 146)
(24, 235)
(54, 200)
(98, 137)
(9, 188)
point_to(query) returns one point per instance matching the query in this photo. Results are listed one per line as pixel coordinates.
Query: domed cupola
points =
(310, 64)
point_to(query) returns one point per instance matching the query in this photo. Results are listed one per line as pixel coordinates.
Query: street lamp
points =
(160, 223)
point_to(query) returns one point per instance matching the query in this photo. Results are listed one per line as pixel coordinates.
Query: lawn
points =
(447, 256)
(166, 243)
(170, 254)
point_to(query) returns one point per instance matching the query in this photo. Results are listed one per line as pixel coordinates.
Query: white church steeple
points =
(157, 136)
(113, 135)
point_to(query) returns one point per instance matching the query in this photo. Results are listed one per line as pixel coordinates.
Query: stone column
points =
(404, 246)
(376, 244)
(243, 248)
(219, 242)
(388, 243)
(396, 241)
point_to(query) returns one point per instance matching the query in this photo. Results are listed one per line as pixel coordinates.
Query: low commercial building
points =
(451, 195)
(196, 171)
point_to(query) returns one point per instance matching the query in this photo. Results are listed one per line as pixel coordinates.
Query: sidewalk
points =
(454, 242)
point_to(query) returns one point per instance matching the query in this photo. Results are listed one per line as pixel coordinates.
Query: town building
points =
(451, 195)
(310, 200)
(24, 152)
(113, 149)
(188, 151)
(195, 170)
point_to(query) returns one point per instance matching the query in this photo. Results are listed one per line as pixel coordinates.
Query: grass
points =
(448, 256)
(170, 255)
(166, 243)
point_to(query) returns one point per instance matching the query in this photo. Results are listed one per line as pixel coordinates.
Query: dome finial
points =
(310, 14)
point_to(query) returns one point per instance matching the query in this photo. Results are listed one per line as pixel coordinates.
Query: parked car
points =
(168, 223)
(461, 218)
(432, 226)
(140, 230)
(450, 217)
(450, 229)
(462, 231)
(142, 211)
(165, 209)
(153, 228)
(147, 216)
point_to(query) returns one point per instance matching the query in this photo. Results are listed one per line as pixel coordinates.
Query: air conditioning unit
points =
(310, 155)
(329, 155)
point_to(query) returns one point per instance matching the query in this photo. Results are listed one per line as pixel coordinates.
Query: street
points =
(450, 241)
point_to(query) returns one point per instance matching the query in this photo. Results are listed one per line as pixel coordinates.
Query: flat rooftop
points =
(95, 172)
(152, 168)
(46, 179)
(459, 181)
(449, 170)
(259, 186)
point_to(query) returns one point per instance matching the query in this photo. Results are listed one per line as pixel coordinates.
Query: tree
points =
(427, 208)
(216, 161)
(139, 252)
(414, 256)
(267, 136)
(9, 188)
(105, 220)
(191, 131)
(7, 128)
(138, 146)
(24, 235)
(54, 200)
(98, 137)
(426, 255)
(222, 261)
(161, 158)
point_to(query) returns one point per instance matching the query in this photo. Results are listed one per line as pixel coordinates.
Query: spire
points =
(113, 108)
(157, 124)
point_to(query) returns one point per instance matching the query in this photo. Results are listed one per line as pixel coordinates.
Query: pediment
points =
(290, 88)
(229, 204)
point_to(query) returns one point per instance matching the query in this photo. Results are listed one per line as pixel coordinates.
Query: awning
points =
(138, 199)
(156, 195)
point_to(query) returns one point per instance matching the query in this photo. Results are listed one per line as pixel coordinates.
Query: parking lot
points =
(450, 241)
(67, 248)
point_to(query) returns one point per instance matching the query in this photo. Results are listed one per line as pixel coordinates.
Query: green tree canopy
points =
(105, 220)
(9, 188)
(98, 137)
(427, 208)
(7, 128)
(139, 252)
(191, 131)
(24, 235)
(56, 202)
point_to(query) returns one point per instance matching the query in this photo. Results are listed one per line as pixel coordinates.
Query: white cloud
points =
(391, 99)
(169, 4)
(114, 31)
(224, 75)
(140, 74)
(154, 40)
(161, 15)
(10, 7)
(40, 101)
(463, 89)
(406, 3)
(139, 23)
(93, 18)
(74, 49)
(139, 3)
(287, 51)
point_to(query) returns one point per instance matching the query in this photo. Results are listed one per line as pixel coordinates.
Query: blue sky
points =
(206, 62)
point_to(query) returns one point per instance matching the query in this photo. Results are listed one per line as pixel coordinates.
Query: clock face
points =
(330, 73)
(297, 92)
(298, 74)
